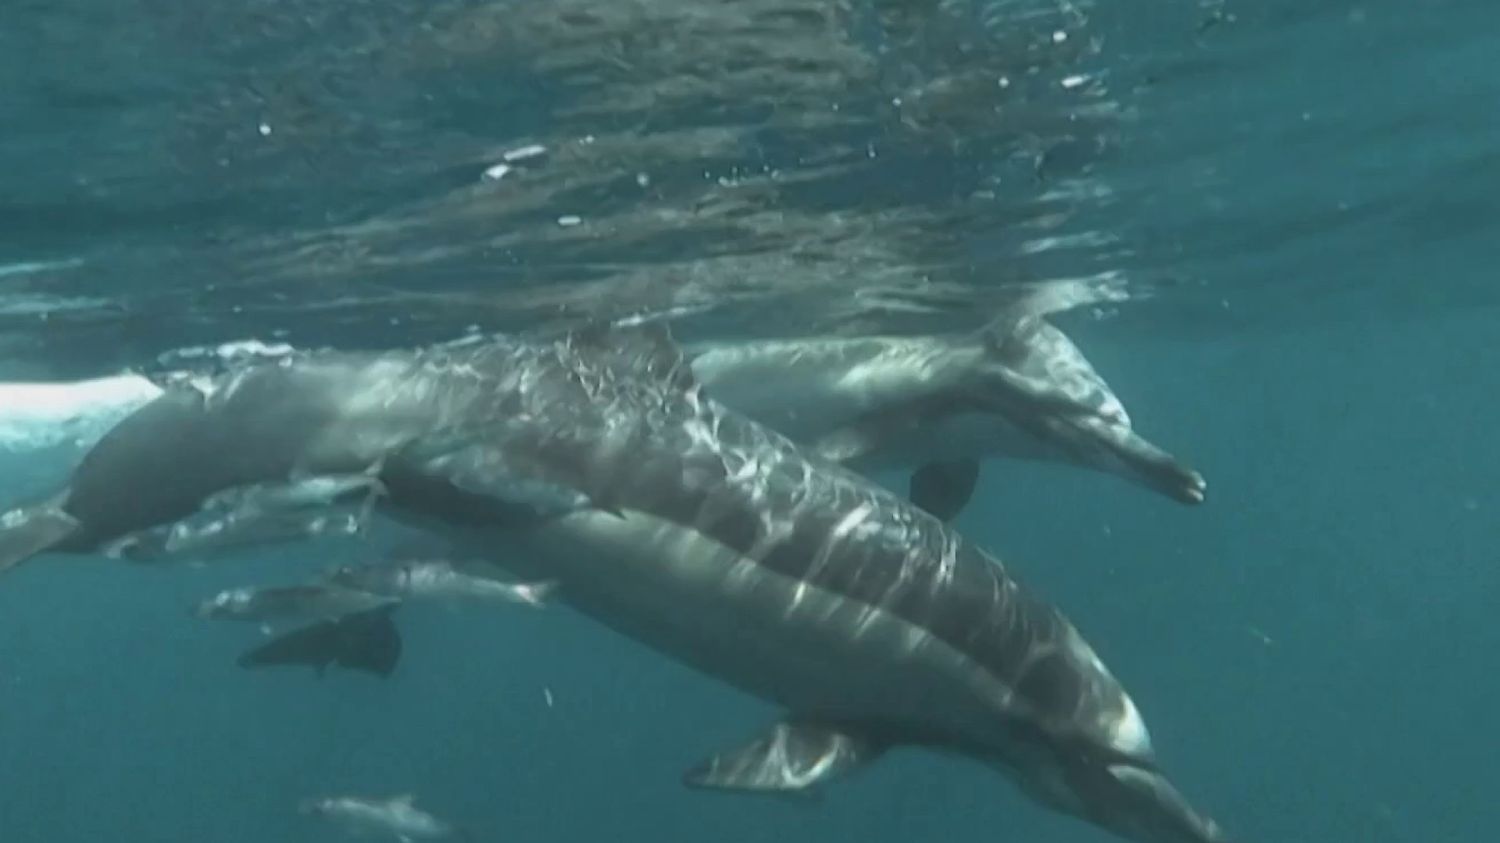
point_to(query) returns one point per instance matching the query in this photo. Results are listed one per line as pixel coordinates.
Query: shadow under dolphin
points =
(365, 641)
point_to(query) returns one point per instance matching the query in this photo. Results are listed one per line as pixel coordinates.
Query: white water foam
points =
(37, 415)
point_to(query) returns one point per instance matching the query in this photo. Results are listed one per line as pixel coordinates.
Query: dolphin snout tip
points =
(1195, 491)
(1183, 485)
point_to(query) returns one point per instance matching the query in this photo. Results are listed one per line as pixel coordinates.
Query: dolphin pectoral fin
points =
(944, 488)
(792, 758)
(28, 531)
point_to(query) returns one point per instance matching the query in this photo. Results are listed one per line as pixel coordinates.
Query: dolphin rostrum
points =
(599, 461)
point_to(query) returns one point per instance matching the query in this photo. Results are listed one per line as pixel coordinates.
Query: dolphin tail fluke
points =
(944, 488)
(792, 758)
(28, 531)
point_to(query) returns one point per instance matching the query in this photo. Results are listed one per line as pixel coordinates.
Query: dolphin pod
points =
(600, 462)
(934, 406)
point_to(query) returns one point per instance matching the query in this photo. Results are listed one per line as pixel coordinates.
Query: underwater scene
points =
(1060, 421)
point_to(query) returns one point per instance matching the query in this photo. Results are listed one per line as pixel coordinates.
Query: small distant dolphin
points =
(298, 602)
(439, 580)
(937, 405)
(385, 584)
(599, 461)
(397, 816)
(364, 641)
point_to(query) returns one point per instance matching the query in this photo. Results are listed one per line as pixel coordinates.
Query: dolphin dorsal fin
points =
(640, 348)
(1008, 333)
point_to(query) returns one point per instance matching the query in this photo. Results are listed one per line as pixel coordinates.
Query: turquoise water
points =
(1292, 205)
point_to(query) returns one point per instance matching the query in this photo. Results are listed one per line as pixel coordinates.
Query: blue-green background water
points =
(1308, 192)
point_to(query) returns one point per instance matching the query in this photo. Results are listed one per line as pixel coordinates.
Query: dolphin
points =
(350, 591)
(599, 461)
(438, 579)
(937, 405)
(719, 542)
(396, 816)
(299, 602)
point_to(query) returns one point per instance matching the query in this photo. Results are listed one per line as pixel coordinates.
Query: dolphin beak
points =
(1140, 461)
(1178, 482)
(1141, 804)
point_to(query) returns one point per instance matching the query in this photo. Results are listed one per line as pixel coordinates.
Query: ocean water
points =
(1276, 219)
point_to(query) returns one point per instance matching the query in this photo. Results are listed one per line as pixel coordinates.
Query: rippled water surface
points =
(1270, 225)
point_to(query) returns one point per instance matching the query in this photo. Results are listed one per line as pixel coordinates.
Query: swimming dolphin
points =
(397, 816)
(719, 542)
(364, 641)
(438, 579)
(937, 405)
(351, 589)
(600, 462)
(300, 602)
